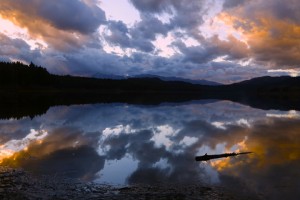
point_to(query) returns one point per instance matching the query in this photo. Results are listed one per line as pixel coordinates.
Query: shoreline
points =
(18, 184)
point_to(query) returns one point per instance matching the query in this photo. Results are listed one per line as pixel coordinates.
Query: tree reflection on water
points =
(151, 144)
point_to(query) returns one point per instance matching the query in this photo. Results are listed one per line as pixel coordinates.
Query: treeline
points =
(20, 76)
(17, 76)
(29, 90)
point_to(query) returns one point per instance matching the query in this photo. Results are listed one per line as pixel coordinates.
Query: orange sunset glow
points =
(150, 99)
(267, 40)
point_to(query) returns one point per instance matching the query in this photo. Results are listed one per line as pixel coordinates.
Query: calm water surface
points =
(123, 144)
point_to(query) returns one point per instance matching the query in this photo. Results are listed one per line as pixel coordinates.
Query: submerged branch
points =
(206, 157)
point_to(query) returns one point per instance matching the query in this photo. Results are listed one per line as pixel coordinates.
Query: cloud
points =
(121, 36)
(185, 14)
(71, 15)
(213, 48)
(16, 49)
(62, 24)
(152, 6)
(233, 3)
(61, 14)
(90, 60)
(79, 40)
(271, 29)
(148, 28)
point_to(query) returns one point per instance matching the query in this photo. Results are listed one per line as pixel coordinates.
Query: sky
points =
(217, 40)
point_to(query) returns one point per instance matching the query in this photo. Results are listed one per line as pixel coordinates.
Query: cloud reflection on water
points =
(273, 170)
(161, 143)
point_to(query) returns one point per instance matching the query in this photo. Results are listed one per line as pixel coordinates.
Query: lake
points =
(122, 144)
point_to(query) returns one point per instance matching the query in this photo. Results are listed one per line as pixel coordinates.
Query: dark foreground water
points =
(129, 147)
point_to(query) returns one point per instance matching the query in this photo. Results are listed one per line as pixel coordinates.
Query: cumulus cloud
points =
(153, 6)
(148, 28)
(186, 14)
(62, 24)
(212, 48)
(140, 36)
(61, 14)
(71, 15)
(233, 3)
(79, 40)
(88, 61)
(17, 49)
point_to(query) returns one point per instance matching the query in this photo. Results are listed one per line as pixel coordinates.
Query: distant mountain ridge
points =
(108, 76)
(163, 78)
(30, 90)
(269, 81)
(171, 78)
(19, 75)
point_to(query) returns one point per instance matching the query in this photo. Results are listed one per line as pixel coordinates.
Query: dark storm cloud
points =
(137, 37)
(148, 28)
(287, 10)
(185, 14)
(90, 61)
(119, 35)
(71, 15)
(182, 11)
(63, 25)
(152, 6)
(188, 14)
(233, 3)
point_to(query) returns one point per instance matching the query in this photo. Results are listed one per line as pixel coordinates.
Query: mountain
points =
(163, 78)
(170, 78)
(108, 76)
(31, 90)
(17, 76)
(20, 76)
(268, 81)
